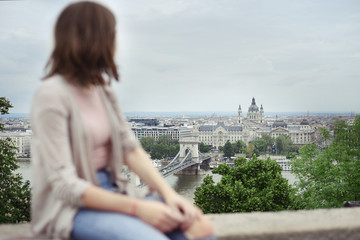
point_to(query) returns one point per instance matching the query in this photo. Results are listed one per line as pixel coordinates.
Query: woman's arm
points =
(139, 161)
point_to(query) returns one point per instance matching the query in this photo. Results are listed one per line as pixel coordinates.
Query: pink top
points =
(96, 121)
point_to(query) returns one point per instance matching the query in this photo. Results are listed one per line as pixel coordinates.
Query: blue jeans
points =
(91, 224)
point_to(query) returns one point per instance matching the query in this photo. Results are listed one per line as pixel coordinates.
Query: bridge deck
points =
(176, 165)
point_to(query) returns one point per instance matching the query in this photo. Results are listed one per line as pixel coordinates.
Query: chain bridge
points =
(188, 160)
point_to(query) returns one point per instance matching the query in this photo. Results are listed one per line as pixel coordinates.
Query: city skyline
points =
(204, 56)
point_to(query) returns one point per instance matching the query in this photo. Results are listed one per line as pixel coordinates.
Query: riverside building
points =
(22, 141)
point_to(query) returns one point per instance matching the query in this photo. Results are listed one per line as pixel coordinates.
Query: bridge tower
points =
(189, 143)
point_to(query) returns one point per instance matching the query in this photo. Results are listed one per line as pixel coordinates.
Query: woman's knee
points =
(201, 228)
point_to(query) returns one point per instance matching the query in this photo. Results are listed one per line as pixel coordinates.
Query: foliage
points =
(260, 144)
(204, 148)
(324, 133)
(290, 155)
(147, 143)
(228, 150)
(283, 143)
(160, 151)
(4, 106)
(14, 193)
(162, 148)
(239, 146)
(167, 140)
(250, 148)
(328, 177)
(269, 140)
(253, 185)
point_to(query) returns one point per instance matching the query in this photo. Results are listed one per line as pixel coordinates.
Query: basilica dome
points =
(253, 107)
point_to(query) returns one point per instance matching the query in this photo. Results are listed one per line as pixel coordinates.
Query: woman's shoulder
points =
(52, 87)
(52, 92)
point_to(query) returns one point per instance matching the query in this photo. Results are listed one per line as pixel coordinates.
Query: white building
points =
(155, 132)
(217, 135)
(300, 134)
(22, 141)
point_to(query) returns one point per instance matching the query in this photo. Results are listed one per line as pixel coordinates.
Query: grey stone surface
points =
(315, 224)
(14, 231)
(329, 224)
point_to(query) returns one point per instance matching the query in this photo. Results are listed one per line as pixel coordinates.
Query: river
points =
(183, 184)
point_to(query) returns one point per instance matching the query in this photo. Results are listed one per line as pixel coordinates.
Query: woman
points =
(81, 143)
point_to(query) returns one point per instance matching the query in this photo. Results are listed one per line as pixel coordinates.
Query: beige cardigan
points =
(62, 155)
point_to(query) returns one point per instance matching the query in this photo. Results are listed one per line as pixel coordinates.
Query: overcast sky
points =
(204, 55)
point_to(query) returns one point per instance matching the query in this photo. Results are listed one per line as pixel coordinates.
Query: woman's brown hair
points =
(84, 44)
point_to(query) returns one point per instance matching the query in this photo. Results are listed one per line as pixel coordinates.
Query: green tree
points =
(14, 193)
(253, 185)
(228, 150)
(260, 145)
(325, 138)
(173, 150)
(239, 146)
(204, 148)
(168, 147)
(328, 177)
(283, 144)
(250, 148)
(167, 140)
(324, 133)
(162, 148)
(159, 151)
(4, 108)
(147, 143)
(269, 141)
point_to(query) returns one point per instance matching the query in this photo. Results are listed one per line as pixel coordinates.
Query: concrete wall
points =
(322, 224)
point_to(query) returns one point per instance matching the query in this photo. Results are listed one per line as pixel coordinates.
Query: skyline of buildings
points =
(212, 130)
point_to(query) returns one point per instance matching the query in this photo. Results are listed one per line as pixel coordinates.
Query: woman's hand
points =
(183, 207)
(159, 215)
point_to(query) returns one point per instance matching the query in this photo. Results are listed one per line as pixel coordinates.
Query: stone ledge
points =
(313, 224)
(13, 231)
(321, 224)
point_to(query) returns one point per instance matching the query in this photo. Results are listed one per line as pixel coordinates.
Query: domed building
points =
(251, 127)
(254, 115)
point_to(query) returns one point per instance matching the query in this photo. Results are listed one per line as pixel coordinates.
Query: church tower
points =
(261, 114)
(240, 118)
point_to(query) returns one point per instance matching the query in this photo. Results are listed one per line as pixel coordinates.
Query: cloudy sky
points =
(204, 55)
